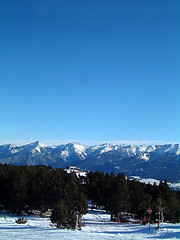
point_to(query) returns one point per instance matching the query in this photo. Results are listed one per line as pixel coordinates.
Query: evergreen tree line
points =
(25, 188)
(120, 195)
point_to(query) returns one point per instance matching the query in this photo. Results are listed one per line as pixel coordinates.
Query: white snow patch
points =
(14, 151)
(145, 157)
(156, 181)
(64, 153)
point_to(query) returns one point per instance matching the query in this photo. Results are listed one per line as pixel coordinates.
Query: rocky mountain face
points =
(153, 161)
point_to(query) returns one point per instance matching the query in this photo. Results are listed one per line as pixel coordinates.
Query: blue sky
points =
(90, 71)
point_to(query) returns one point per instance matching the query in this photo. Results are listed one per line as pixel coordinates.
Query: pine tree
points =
(60, 214)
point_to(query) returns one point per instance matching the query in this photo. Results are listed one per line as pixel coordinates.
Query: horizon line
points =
(89, 142)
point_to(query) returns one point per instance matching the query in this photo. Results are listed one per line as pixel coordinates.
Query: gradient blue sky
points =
(90, 71)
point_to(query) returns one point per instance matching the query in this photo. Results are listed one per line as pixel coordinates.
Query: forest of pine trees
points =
(119, 195)
(27, 188)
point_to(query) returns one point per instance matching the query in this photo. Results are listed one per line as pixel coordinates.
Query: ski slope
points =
(97, 226)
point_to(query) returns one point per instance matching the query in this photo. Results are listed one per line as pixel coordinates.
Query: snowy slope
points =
(174, 186)
(97, 227)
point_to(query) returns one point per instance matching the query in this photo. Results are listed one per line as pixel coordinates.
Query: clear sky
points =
(90, 71)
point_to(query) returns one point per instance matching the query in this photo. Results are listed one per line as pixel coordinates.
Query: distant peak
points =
(76, 144)
(39, 144)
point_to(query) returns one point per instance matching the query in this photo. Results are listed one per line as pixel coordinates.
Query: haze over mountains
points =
(146, 161)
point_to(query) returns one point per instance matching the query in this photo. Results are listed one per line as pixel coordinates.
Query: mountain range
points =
(145, 161)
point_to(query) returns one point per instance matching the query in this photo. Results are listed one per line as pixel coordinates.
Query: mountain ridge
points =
(151, 161)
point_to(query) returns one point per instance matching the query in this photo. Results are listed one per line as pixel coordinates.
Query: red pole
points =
(149, 217)
(76, 221)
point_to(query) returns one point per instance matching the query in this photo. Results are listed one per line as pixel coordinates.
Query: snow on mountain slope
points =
(155, 151)
(72, 149)
(35, 147)
(155, 161)
(76, 148)
(99, 149)
(83, 151)
(8, 149)
(13, 149)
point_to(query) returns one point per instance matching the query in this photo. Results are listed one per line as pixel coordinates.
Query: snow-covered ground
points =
(97, 226)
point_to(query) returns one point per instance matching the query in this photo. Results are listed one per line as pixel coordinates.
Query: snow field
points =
(97, 227)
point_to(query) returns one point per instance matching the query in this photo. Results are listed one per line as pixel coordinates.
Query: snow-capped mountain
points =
(146, 161)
